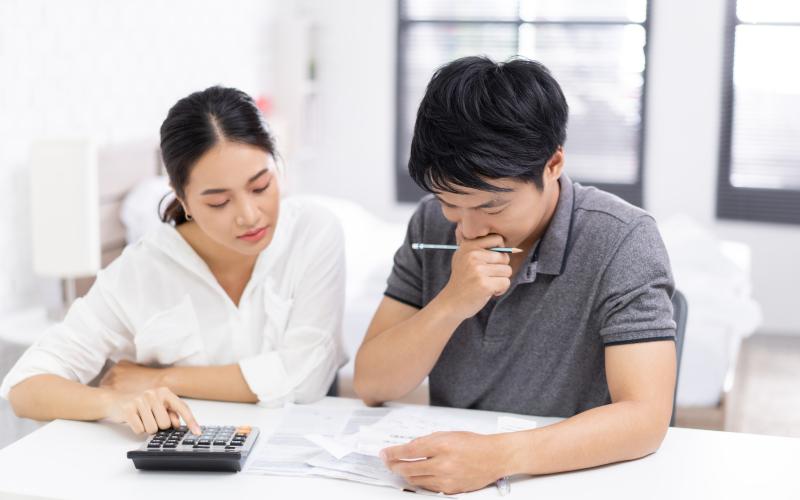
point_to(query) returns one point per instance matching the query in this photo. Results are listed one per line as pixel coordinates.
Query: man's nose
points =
(471, 229)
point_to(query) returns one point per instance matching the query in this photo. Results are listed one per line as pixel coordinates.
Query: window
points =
(759, 168)
(596, 50)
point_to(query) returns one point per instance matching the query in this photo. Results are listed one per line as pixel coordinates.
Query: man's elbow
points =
(652, 441)
(364, 389)
(653, 433)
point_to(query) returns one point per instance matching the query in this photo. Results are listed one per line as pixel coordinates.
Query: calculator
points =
(218, 448)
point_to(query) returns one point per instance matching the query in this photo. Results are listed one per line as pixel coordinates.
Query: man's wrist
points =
(447, 308)
(514, 449)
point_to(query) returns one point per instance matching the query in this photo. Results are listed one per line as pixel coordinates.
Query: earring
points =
(188, 217)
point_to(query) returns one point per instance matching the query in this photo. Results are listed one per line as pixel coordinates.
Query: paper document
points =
(346, 443)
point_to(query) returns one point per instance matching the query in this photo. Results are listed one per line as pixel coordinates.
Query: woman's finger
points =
(174, 418)
(175, 403)
(134, 422)
(162, 418)
(146, 414)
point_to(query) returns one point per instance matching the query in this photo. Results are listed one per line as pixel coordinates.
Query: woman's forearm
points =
(220, 383)
(616, 432)
(47, 397)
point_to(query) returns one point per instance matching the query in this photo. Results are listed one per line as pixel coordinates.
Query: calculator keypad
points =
(229, 438)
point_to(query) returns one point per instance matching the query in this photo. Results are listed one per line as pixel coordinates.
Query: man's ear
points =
(555, 165)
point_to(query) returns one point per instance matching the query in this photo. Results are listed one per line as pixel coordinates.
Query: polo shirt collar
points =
(549, 251)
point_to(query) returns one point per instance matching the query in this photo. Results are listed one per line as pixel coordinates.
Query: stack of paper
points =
(345, 443)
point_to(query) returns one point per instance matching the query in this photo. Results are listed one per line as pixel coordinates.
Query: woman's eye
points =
(219, 205)
(261, 190)
(496, 211)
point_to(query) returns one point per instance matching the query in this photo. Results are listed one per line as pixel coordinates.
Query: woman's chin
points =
(252, 248)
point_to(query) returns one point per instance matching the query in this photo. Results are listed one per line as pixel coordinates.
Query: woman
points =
(226, 301)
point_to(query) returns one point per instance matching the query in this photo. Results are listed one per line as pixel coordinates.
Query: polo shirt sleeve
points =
(405, 281)
(635, 290)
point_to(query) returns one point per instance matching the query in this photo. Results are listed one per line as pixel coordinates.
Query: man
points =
(578, 325)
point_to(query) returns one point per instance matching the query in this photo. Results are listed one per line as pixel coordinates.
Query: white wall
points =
(110, 70)
(355, 50)
(69, 61)
(683, 113)
(682, 146)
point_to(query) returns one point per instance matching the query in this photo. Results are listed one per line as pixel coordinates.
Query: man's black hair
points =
(482, 120)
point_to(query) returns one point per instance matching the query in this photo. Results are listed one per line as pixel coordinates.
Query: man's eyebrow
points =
(225, 190)
(494, 202)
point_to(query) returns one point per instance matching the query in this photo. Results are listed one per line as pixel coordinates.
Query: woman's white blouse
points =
(158, 304)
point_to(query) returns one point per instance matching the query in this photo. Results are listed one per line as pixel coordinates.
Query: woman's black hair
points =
(195, 124)
(485, 120)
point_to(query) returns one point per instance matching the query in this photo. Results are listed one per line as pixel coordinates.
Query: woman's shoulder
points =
(150, 256)
(309, 220)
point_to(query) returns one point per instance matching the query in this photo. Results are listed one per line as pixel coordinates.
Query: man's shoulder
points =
(602, 211)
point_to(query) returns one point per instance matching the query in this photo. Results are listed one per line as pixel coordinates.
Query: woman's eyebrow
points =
(225, 190)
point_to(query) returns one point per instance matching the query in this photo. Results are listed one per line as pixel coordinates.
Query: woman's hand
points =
(150, 410)
(132, 378)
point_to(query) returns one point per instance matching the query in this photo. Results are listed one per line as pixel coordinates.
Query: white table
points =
(78, 460)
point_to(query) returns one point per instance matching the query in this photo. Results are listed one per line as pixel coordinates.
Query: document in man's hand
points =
(345, 443)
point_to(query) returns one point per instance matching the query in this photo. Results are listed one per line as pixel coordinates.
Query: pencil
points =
(431, 246)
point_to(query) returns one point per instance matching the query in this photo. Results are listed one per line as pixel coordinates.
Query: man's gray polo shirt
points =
(599, 276)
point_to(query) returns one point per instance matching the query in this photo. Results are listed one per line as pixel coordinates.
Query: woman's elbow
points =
(19, 399)
(314, 390)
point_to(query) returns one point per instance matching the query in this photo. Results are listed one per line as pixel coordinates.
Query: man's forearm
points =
(616, 432)
(393, 363)
(219, 383)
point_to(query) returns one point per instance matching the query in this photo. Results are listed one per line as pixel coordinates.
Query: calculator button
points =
(220, 442)
(154, 445)
(189, 441)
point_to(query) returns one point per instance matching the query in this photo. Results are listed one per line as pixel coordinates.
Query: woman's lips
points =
(254, 235)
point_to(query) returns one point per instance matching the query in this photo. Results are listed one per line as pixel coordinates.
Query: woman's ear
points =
(183, 203)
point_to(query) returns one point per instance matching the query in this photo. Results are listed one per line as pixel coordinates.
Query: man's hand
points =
(449, 462)
(476, 275)
(132, 378)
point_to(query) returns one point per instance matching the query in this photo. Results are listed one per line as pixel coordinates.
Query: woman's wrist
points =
(170, 378)
(107, 402)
